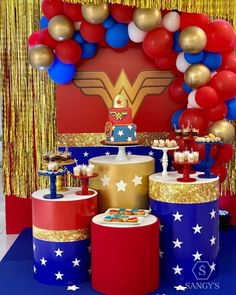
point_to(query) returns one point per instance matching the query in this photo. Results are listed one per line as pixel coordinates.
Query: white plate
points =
(146, 212)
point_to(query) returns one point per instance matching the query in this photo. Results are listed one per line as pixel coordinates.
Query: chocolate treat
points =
(46, 157)
(186, 132)
(178, 132)
(195, 132)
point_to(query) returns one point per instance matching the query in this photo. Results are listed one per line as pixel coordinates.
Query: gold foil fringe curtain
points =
(28, 96)
(28, 100)
(215, 8)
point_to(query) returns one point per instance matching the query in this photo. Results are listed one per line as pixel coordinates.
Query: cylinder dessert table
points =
(122, 184)
(125, 258)
(189, 227)
(61, 236)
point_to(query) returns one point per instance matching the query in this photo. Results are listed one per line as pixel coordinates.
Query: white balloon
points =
(171, 21)
(181, 63)
(191, 100)
(135, 34)
(77, 25)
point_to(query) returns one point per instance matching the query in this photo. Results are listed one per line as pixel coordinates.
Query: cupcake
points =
(116, 217)
(155, 143)
(178, 132)
(124, 218)
(113, 211)
(53, 166)
(133, 219)
(141, 212)
(108, 218)
(195, 132)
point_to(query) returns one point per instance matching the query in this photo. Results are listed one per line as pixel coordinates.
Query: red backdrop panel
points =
(79, 113)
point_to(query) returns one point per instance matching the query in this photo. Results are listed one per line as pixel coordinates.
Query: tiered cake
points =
(120, 128)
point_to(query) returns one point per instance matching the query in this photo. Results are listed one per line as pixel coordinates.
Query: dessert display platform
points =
(20, 256)
(61, 236)
(189, 228)
(128, 254)
(122, 183)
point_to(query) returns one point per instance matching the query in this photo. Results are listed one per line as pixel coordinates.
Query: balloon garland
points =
(197, 50)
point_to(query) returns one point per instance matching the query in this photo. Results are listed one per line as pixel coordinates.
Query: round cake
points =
(120, 128)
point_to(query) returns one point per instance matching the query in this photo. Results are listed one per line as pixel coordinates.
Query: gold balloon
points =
(60, 28)
(95, 14)
(147, 19)
(192, 39)
(41, 57)
(197, 75)
(224, 129)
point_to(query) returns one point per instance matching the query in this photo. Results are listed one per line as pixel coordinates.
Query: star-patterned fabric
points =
(189, 240)
(61, 263)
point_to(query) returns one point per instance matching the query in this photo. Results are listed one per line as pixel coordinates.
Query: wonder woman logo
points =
(147, 83)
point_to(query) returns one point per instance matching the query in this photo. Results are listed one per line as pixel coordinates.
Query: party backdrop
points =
(29, 101)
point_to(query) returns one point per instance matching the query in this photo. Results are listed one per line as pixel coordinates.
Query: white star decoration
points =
(112, 139)
(161, 227)
(177, 243)
(72, 288)
(130, 127)
(180, 288)
(107, 153)
(58, 252)
(121, 186)
(76, 262)
(43, 261)
(213, 214)
(213, 266)
(89, 271)
(59, 275)
(34, 247)
(105, 180)
(151, 153)
(89, 248)
(86, 154)
(35, 269)
(161, 253)
(197, 256)
(137, 180)
(177, 216)
(197, 229)
(129, 139)
(177, 270)
(129, 153)
(213, 240)
(120, 132)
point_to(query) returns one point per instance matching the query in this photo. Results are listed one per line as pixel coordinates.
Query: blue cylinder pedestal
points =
(189, 230)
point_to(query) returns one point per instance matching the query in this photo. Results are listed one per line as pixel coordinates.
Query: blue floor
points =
(16, 273)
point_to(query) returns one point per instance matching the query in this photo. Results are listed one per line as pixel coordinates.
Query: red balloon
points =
(229, 63)
(122, 13)
(157, 42)
(34, 39)
(217, 113)
(92, 33)
(52, 8)
(193, 19)
(177, 93)
(220, 171)
(68, 52)
(73, 11)
(206, 97)
(46, 39)
(224, 154)
(166, 62)
(194, 117)
(220, 35)
(224, 82)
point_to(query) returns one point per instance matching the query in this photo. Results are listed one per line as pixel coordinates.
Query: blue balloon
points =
(231, 104)
(109, 22)
(43, 22)
(202, 165)
(187, 88)
(175, 118)
(212, 60)
(89, 50)
(78, 38)
(194, 58)
(62, 73)
(176, 46)
(117, 36)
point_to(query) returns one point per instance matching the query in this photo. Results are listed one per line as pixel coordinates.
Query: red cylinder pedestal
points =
(125, 258)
